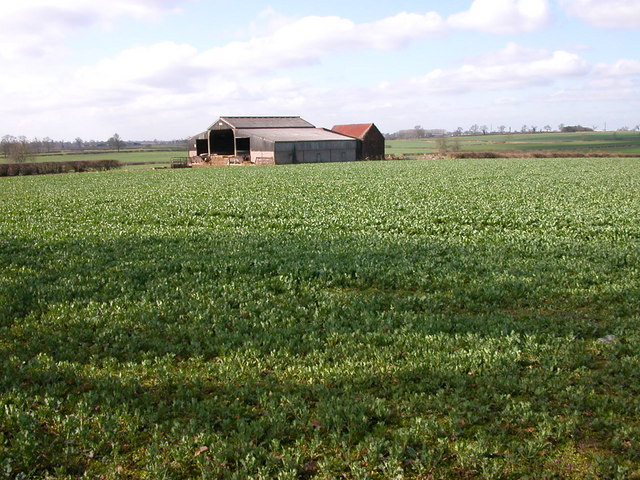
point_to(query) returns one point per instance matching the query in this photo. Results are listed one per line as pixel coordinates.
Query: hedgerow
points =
(536, 154)
(44, 168)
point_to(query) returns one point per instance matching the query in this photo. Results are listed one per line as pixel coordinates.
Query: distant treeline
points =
(44, 168)
(419, 132)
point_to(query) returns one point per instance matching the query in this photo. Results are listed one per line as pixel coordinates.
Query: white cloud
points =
(164, 65)
(512, 53)
(597, 92)
(160, 83)
(506, 71)
(505, 101)
(498, 85)
(37, 28)
(305, 41)
(620, 68)
(503, 16)
(393, 32)
(268, 21)
(297, 43)
(156, 74)
(605, 13)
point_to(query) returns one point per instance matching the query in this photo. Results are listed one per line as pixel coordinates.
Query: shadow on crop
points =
(140, 326)
(131, 299)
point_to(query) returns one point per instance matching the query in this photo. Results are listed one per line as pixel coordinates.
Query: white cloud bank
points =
(513, 67)
(305, 41)
(35, 28)
(503, 16)
(606, 13)
(143, 83)
(181, 68)
(173, 68)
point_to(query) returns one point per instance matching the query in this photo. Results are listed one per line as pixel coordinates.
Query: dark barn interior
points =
(202, 147)
(222, 142)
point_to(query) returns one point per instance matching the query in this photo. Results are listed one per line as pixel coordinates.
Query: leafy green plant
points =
(449, 319)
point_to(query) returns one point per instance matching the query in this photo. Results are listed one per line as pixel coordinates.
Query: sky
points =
(167, 69)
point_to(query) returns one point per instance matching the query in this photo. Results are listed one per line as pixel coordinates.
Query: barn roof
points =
(292, 134)
(358, 130)
(264, 122)
(200, 136)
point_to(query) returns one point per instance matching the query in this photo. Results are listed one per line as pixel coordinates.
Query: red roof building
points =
(370, 140)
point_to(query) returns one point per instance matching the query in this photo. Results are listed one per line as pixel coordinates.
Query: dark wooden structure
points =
(180, 162)
(370, 140)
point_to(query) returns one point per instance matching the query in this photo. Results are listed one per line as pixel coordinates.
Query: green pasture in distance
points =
(412, 319)
(146, 157)
(127, 157)
(610, 142)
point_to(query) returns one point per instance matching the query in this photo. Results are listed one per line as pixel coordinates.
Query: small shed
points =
(370, 140)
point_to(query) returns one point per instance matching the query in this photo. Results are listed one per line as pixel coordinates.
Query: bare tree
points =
(36, 145)
(442, 145)
(79, 143)
(502, 128)
(22, 153)
(16, 149)
(48, 144)
(115, 142)
(7, 143)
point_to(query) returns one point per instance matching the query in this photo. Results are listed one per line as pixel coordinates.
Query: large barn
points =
(271, 140)
(370, 140)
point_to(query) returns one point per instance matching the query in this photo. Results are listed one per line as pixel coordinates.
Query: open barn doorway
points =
(243, 148)
(202, 147)
(222, 142)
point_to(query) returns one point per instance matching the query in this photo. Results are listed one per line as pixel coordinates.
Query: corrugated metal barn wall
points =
(262, 144)
(315, 152)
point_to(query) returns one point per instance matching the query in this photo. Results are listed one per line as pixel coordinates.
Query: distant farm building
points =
(370, 140)
(269, 141)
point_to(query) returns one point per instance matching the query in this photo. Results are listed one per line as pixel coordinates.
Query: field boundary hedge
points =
(45, 168)
(538, 154)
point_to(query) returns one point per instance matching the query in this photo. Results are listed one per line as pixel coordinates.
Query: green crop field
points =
(449, 319)
(130, 159)
(612, 143)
